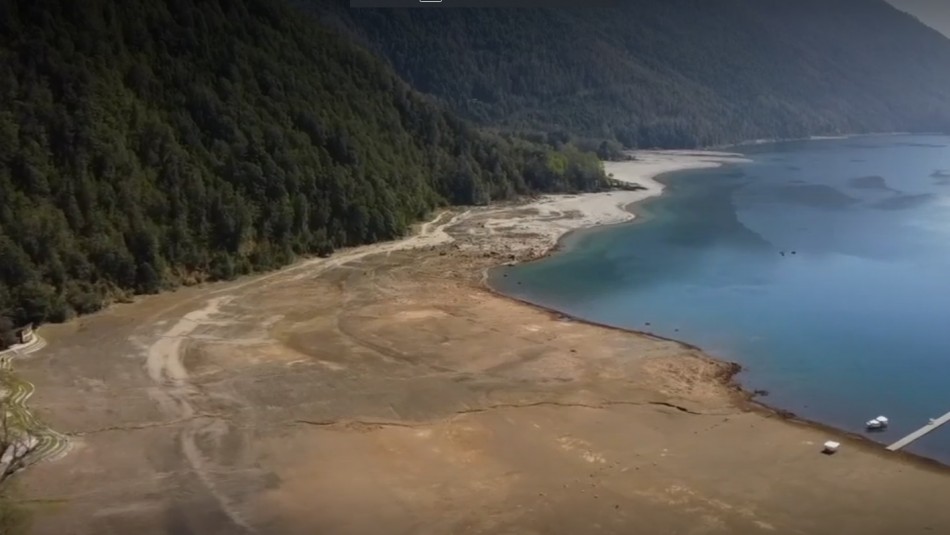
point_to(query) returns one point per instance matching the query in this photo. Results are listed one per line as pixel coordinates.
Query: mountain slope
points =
(672, 72)
(144, 144)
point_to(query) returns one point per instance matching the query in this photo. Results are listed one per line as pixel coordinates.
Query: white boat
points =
(831, 447)
(878, 423)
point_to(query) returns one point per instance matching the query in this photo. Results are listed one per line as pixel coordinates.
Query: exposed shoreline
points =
(743, 398)
(586, 212)
(388, 384)
(654, 187)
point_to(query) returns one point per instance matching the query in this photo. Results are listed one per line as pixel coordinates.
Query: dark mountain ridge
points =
(672, 73)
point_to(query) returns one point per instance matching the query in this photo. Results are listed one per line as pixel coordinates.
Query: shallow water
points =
(821, 266)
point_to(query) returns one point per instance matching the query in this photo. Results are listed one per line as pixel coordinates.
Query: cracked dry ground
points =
(394, 395)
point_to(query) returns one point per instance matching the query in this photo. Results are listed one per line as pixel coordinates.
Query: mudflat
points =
(387, 390)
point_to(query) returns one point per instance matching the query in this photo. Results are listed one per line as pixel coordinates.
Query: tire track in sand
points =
(14, 394)
(164, 357)
(165, 366)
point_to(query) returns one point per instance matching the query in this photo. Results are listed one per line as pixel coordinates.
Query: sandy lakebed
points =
(387, 390)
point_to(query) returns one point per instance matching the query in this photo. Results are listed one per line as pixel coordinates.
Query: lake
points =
(823, 267)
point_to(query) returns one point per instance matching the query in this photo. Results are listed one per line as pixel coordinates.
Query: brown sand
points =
(387, 391)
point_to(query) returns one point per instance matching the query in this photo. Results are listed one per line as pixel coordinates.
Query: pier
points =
(937, 422)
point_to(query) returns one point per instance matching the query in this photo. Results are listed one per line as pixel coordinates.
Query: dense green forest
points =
(145, 144)
(671, 73)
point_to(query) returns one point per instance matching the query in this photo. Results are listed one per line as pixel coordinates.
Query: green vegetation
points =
(7, 332)
(147, 144)
(22, 438)
(672, 73)
(14, 519)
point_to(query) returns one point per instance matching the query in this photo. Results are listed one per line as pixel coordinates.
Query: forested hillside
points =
(672, 73)
(148, 143)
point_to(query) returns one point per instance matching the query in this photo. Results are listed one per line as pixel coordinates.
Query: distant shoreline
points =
(766, 141)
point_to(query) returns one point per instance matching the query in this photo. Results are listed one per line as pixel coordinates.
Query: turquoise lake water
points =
(823, 267)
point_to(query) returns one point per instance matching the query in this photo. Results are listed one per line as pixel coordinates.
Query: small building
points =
(25, 335)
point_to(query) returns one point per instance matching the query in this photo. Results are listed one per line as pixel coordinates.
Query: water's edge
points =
(742, 397)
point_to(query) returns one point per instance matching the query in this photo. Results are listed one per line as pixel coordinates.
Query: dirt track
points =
(385, 391)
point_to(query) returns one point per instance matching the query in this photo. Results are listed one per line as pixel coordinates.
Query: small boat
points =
(878, 423)
(830, 447)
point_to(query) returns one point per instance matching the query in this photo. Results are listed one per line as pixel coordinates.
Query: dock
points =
(937, 422)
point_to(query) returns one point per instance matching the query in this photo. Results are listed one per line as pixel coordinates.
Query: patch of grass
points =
(15, 519)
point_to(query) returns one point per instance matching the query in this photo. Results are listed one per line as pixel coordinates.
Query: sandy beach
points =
(387, 390)
(532, 229)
